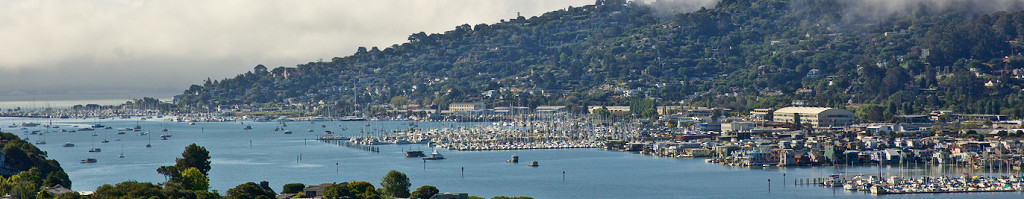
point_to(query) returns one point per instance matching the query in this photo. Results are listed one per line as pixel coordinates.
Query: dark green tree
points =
(396, 184)
(424, 192)
(293, 188)
(335, 191)
(194, 156)
(249, 190)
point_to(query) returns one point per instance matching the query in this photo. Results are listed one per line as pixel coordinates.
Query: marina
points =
(286, 158)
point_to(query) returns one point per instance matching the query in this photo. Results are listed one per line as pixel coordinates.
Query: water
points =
(261, 154)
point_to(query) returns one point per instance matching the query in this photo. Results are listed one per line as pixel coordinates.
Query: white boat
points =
(434, 156)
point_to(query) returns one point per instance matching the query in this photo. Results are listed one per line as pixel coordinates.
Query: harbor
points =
(284, 158)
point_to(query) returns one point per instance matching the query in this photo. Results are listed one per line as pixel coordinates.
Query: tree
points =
(396, 184)
(338, 191)
(602, 112)
(424, 192)
(363, 190)
(192, 179)
(194, 156)
(129, 189)
(293, 188)
(249, 190)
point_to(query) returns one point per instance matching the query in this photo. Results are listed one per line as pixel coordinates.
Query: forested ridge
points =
(25, 169)
(740, 54)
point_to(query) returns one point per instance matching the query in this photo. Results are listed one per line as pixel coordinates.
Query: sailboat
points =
(122, 151)
(149, 141)
(41, 142)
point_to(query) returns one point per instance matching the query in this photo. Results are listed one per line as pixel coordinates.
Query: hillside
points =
(741, 54)
(25, 169)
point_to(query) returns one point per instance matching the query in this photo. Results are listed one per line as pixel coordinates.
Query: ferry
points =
(414, 154)
(89, 160)
(434, 156)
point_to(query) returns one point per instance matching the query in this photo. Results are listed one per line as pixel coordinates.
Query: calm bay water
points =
(261, 154)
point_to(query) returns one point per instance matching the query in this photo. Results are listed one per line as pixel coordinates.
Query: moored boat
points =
(89, 160)
(434, 156)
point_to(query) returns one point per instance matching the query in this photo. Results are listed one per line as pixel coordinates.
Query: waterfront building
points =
(450, 196)
(616, 110)
(815, 116)
(760, 114)
(466, 106)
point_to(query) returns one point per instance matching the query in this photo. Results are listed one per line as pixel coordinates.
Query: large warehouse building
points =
(815, 116)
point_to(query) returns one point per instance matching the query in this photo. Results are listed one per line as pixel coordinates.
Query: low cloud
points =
(668, 8)
(60, 47)
(881, 9)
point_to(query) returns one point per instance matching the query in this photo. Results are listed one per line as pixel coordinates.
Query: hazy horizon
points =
(60, 50)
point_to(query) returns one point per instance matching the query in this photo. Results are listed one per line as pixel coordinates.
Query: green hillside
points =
(741, 54)
(25, 169)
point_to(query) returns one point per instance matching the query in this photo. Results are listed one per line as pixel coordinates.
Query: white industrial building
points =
(815, 116)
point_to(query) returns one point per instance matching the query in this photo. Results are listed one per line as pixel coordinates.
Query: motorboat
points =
(414, 154)
(533, 164)
(69, 144)
(434, 156)
(515, 159)
(89, 160)
(95, 149)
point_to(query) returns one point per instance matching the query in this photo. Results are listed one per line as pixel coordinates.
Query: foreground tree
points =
(249, 190)
(424, 192)
(192, 179)
(194, 156)
(335, 191)
(293, 188)
(396, 184)
(129, 189)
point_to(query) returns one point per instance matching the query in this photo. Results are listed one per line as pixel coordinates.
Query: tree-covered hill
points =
(741, 54)
(25, 169)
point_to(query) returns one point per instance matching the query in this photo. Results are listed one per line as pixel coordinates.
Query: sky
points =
(120, 49)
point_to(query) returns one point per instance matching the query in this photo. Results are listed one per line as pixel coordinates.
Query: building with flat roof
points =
(815, 116)
(466, 106)
(616, 110)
